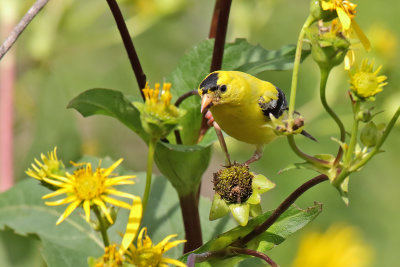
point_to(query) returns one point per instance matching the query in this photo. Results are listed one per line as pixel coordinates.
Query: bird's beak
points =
(206, 102)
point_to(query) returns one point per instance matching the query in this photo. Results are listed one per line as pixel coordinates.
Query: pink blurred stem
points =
(7, 79)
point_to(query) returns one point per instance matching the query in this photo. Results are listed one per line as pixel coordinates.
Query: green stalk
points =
(380, 142)
(102, 225)
(296, 64)
(322, 90)
(354, 134)
(149, 172)
(303, 155)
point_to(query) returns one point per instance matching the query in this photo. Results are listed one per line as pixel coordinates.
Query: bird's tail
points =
(306, 134)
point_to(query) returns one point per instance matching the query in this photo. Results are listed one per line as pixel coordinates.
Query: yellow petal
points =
(140, 237)
(173, 261)
(360, 34)
(61, 201)
(68, 211)
(103, 208)
(118, 180)
(344, 18)
(173, 244)
(57, 193)
(135, 217)
(116, 202)
(349, 60)
(165, 241)
(86, 208)
(119, 193)
(110, 169)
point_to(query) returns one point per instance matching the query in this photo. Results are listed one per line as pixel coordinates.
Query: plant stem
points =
(303, 155)
(280, 209)
(353, 138)
(222, 143)
(322, 94)
(375, 150)
(129, 47)
(222, 25)
(214, 20)
(254, 253)
(149, 172)
(102, 224)
(191, 221)
(17, 31)
(183, 97)
(296, 64)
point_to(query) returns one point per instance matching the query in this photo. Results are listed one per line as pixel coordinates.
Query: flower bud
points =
(318, 13)
(364, 115)
(370, 134)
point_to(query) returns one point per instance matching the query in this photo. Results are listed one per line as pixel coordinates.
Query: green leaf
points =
(183, 165)
(254, 59)
(73, 241)
(111, 103)
(69, 244)
(289, 222)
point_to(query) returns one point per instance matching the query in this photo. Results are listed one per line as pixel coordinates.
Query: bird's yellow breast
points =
(238, 112)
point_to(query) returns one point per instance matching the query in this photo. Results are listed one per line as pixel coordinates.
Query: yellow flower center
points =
(146, 257)
(365, 82)
(88, 185)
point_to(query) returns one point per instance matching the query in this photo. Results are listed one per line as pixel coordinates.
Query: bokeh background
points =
(74, 45)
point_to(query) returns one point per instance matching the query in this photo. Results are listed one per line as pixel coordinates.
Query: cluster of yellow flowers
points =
(91, 189)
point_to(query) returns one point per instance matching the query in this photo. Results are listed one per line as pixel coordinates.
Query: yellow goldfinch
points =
(241, 104)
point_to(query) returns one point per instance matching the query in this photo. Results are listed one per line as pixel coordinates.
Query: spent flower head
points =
(158, 116)
(50, 165)
(365, 82)
(239, 191)
(89, 188)
(340, 245)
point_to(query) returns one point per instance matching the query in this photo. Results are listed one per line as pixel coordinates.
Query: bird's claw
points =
(209, 117)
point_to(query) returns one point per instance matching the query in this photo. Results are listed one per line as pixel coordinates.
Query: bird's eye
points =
(222, 88)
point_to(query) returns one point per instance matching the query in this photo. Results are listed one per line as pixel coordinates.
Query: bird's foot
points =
(209, 117)
(256, 156)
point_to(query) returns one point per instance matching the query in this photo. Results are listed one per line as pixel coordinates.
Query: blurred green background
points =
(74, 45)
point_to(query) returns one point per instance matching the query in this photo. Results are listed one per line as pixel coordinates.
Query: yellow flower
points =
(158, 116)
(51, 165)
(89, 188)
(145, 254)
(365, 82)
(339, 246)
(148, 255)
(346, 12)
(111, 257)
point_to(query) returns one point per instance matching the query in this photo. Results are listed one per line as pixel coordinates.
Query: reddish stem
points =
(222, 26)
(191, 221)
(129, 47)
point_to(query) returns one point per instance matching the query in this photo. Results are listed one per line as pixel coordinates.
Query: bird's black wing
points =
(275, 107)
